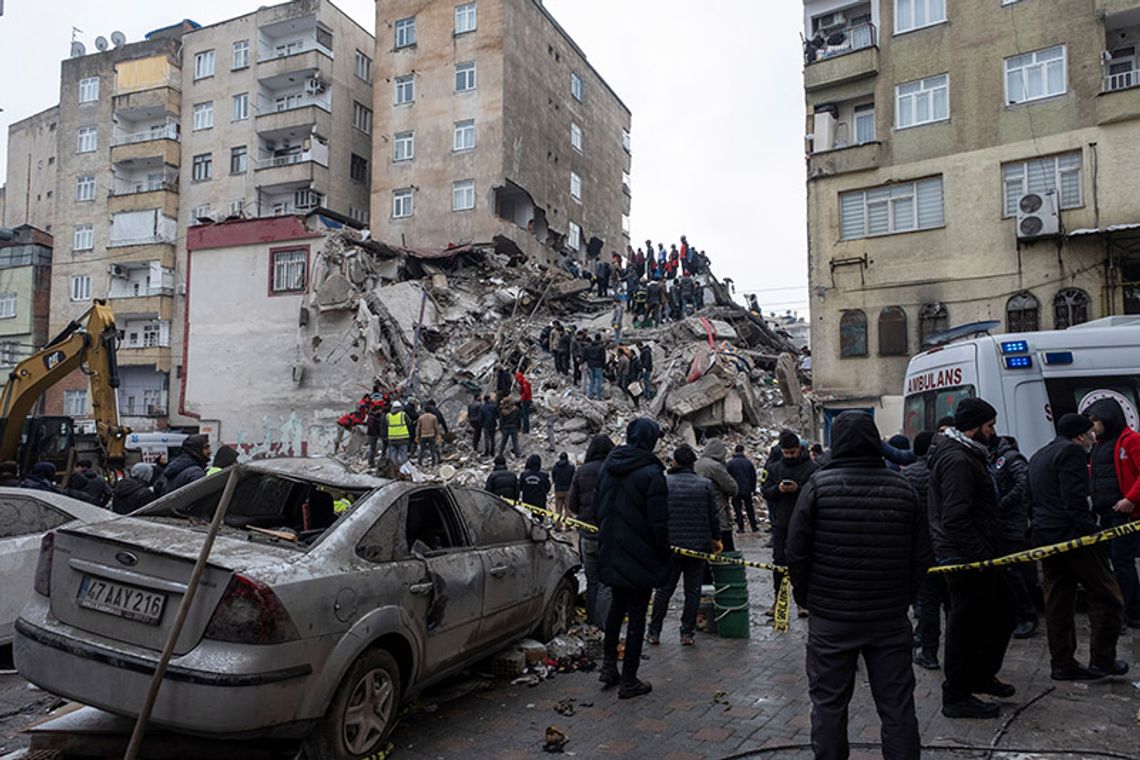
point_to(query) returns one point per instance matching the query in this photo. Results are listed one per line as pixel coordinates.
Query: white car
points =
(25, 516)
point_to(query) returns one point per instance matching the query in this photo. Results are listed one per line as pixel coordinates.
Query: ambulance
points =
(1032, 378)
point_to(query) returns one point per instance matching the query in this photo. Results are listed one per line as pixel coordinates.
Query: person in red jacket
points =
(1115, 487)
(525, 397)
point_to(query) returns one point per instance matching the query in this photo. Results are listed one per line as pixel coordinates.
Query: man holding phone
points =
(784, 479)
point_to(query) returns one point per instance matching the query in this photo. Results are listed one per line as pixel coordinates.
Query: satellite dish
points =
(78, 49)
(118, 38)
(101, 43)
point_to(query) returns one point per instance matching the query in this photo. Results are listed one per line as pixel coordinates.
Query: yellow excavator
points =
(87, 343)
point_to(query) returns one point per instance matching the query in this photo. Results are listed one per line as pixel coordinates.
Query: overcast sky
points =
(715, 89)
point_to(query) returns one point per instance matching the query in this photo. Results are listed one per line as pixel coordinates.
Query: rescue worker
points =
(646, 358)
(428, 436)
(534, 483)
(398, 433)
(525, 400)
(502, 482)
(509, 420)
(488, 417)
(187, 467)
(223, 458)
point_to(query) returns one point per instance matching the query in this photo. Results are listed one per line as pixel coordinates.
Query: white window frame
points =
(241, 106)
(87, 140)
(287, 102)
(463, 195)
(625, 224)
(927, 6)
(405, 32)
(204, 115)
(9, 351)
(204, 64)
(1064, 164)
(575, 187)
(288, 266)
(363, 67)
(403, 203)
(575, 137)
(8, 305)
(929, 89)
(404, 146)
(83, 237)
(199, 212)
(461, 130)
(465, 76)
(89, 89)
(405, 90)
(85, 187)
(576, 86)
(361, 117)
(864, 113)
(207, 162)
(466, 18)
(890, 198)
(75, 402)
(240, 58)
(1023, 70)
(574, 236)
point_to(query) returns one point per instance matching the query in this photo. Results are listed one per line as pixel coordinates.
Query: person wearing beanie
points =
(502, 482)
(223, 458)
(534, 483)
(41, 478)
(188, 466)
(1059, 485)
(963, 512)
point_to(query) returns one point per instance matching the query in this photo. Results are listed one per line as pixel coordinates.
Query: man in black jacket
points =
(694, 523)
(501, 481)
(1058, 481)
(534, 483)
(133, 491)
(858, 546)
(931, 588)
(634, 541)
(562, 475)
(87, 485)
(475, 421)
(1011, 473)
(488, 418)
(594, 355)
(963, 513)
(742, 470)
(786, 476)
(510, 419)
(188, 466)
(580, 502)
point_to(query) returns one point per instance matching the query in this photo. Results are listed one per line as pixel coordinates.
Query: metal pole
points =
(135, 746)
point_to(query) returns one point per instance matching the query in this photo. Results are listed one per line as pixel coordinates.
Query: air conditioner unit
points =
(118, 270)
(831, 22)
(180, 289)
(1037, 216)
(314, 86)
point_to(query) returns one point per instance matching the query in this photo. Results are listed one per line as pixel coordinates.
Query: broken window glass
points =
(491, 520)
(1022, 313)
(432, 521)
(1070, 307)
(379, 543)
(892, 332)
(853, 333)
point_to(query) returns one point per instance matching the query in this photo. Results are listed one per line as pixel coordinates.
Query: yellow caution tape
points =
(781, 606)
(1041, 552)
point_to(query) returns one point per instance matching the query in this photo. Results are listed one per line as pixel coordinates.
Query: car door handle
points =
(499, 571)
(420, 588)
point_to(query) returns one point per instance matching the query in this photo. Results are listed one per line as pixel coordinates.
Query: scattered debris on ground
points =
(556, 740)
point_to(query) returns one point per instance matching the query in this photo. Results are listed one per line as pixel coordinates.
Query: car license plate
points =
(121, 601)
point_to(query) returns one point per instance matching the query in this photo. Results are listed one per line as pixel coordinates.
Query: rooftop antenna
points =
(101, 43)
(118, 38)
(78, 49)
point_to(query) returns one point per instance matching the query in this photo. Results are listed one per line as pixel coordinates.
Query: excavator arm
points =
(89, 346)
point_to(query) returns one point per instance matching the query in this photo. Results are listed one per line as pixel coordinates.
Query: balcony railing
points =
(287, 160)
(272, 51)
(142, 292)
(1123, 80)
(141, 240)
(149, 186)
(840, 43)
(169, 132)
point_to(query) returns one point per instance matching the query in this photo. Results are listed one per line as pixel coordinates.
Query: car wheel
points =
(559, 614)
(362, 713)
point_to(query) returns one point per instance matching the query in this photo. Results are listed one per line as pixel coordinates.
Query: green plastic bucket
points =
(732, 595)
(726, 574)
(732, 620)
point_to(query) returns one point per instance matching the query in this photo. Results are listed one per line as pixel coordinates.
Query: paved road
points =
(724, 697)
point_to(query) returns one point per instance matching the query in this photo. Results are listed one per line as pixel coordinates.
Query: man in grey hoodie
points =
(711, 465)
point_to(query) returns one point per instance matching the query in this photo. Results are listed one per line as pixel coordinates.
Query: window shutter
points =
(851, 216)
(930, 211)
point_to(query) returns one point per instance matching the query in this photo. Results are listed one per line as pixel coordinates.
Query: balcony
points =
(1112, 7)
(162, 151)
(158, 305)
(303, 170)
(168, 131)
(843, 57)
(312, 62)
(146, 103)
(160, 194)
(855, 158)
(308, 115)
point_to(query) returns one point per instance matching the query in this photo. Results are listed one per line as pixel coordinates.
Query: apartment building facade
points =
(248, 117)
(25, 284)
(30, 179)
(489, 121)
(967, 162)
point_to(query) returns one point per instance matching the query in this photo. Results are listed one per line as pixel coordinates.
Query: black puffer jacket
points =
(1104, 484)
(534, 483)
(562, 473)
(503, 482)
(780, 504)
(595, 354)
(1058, 483)
(130, 494)
(633, 512)
(858, 544)
(188, 466)
(1011, 473)
(918, 475)
(743, 472)
(961, 501)
(583, 486)
(694, 521)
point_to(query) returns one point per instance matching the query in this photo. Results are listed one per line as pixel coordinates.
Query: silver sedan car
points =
(329, 597)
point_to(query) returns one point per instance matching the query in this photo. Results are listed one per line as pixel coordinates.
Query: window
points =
(85, 188)
(1071, 307)
(915, 14)
(404, 146)
(204, 64)
(405, 32)
(239, 158)
(287, 101)
(84, 237)
(362, 118)
(241, 106)
(363, 67)
(464, 135)
(892, 332)
(88, 89)
(358, 168)
(465, 76)
(1041, 175)
(922, 101)
(204, 115)
(463, 195)
(625, 224)
(1121, 72)
(933, 318)
(306, 198)
(75, 403)
(202, 167)
(405, 89)
(576, 137)
(1022, 313)
(625, 141)
(360, 215)
(8, 352)
(865, 123)
(576, 86)
(887, 210)
(626, 182)
(241, 55)
(81, 287)
(236, 207)
(87, 140)
(574, 237)
(289, 269)
(1036, 75)
(492, 521)
(575, 186)
(7, 305)
(465, 20)
(402, 203)
(852, 333)
(199, 213)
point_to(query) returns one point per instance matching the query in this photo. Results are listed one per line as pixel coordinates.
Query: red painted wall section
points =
(269, 229)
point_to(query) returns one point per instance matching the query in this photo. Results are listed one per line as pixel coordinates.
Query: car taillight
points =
(250, 613)
(43, 566)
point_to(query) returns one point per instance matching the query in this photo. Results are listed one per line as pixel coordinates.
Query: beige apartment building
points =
(489, 120)
(29, 189)
(249, 117)
(967, 161)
